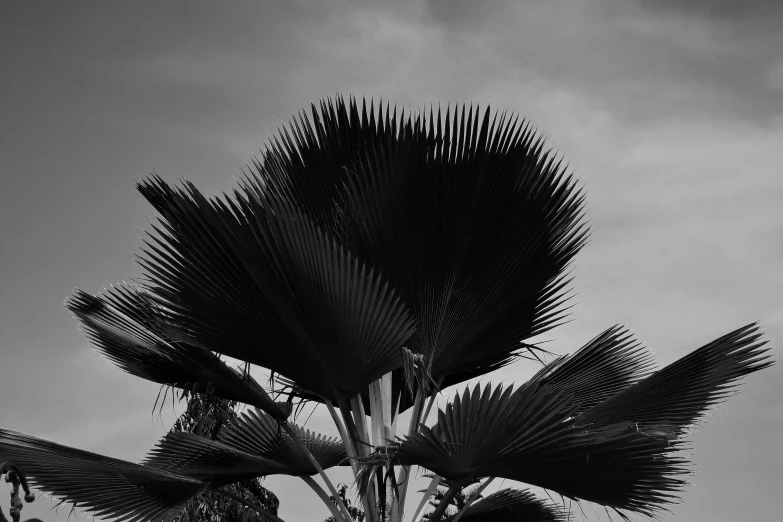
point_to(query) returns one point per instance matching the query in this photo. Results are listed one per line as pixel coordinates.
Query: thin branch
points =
(324, 497)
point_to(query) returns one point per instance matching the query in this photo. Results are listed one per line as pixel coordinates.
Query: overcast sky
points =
(670, 112)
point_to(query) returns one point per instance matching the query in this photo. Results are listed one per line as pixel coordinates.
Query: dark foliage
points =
(357, 515)
(207, 415)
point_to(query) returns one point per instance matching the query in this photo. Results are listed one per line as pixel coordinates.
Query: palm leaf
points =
(128, 328)
(621, 469)
(475, 225)
(621, 453)
(608, 364)
(530, 435)
(307, 162)
(256, 433)
(471, 219)
(207, 460)
(511, 505)
(104, 486)
(251, 446)
(479, 430)
(681, 393)
(256, 280)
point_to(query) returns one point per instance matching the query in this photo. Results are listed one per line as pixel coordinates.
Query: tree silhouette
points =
(371, 261)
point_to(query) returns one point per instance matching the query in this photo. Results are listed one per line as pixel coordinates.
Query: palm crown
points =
(370, 261)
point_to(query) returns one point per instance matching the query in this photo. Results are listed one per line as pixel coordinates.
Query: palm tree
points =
(370, 262)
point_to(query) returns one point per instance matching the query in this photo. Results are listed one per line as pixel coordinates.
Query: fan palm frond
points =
(126, 326)
(482, 428)
(256, 433)
(512, 505)
(530, 435)
(103, 486)
(620, 453)
(608, 364)
(621, 469)
(256, 280)
(306, 163)
(207, 460)
(470, 218)
(679, 394)
(475, 224)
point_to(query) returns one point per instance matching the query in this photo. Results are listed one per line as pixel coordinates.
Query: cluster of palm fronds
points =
(371, 261)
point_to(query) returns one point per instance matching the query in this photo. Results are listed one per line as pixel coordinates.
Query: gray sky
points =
(670, 112)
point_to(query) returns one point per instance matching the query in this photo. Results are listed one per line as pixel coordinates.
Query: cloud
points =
(731, 10)
(643, 64)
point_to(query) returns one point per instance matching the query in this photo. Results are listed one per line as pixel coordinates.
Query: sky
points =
(670, 112)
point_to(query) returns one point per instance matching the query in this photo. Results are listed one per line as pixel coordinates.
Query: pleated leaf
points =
(256, 280)
(621, 453)
(475, 224)
(530, 435)
(126, 326)
(306, 163)
(207, 460)
(482, 428)
(104, 486)
(512, 505)
(256, 433)
(621, 469)
(472, 221)
(608, 364)
(682, 392)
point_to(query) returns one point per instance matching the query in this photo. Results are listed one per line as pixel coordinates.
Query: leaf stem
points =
(413, 427)
(429, 405)
(347, 441)
(371, 509)
(324, 497)
(403, 484)
(353, 433)
(318, 468)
